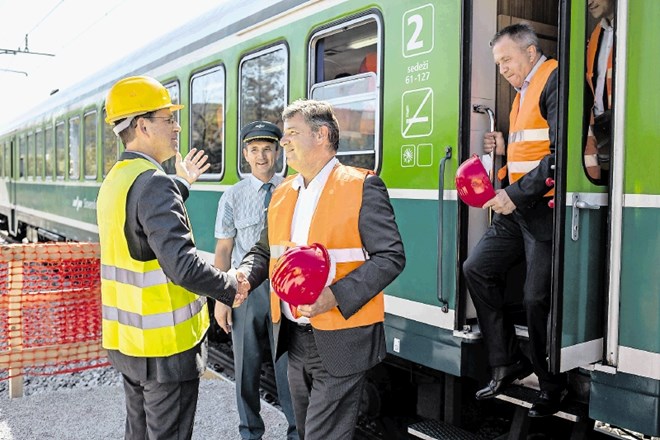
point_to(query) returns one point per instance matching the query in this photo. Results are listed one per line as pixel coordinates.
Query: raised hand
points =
(192, 166)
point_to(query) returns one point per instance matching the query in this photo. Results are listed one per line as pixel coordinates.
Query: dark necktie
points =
(267, 187)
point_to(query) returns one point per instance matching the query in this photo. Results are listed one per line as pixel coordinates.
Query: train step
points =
(571, 410)
(437, 430)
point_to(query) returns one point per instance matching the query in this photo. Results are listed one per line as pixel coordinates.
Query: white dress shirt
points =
(308, 198)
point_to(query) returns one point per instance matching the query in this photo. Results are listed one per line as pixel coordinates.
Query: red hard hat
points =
(473, 184)
(301, 273)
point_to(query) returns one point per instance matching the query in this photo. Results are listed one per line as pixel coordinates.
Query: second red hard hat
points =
(301, 273)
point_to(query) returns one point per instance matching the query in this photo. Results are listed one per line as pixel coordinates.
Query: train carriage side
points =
(625, 388)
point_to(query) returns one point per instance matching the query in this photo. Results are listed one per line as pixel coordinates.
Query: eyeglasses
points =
(170, 120)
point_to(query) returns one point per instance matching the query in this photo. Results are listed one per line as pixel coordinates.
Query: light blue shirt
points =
(241, 215)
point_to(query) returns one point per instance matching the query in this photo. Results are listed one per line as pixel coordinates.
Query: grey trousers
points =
(326, 406)
(160, 411)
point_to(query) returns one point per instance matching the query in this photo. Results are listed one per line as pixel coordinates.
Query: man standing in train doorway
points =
(239, 221)
(522, 224)
(334, 341)
(153, 281)
(600, 50)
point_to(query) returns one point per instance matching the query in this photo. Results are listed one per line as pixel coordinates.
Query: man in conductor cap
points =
(240, 218)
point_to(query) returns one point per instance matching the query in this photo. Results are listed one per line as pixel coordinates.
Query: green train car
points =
(410, 81)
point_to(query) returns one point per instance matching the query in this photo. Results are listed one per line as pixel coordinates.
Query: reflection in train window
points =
(74, 148)
(173, 89)
(49, 157)
(89, 149)
(110, 154)
(599, 62)
(263, 92)
(60, 156)
(39, 155)
(207, 106)
(345, 60)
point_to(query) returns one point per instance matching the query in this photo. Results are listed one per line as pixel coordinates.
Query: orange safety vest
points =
(592, 49)
(529, 133)
(336, 229)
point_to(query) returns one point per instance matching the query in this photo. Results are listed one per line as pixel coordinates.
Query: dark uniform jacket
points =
(157, 227)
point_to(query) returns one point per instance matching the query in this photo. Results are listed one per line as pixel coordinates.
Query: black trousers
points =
(507, 240)
(326, 406)
(160, 411)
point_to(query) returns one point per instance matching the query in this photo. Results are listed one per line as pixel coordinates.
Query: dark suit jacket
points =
(350, 351)
(528, 192)
(157, 227)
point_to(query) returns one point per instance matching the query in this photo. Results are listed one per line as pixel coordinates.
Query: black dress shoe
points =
(547, 403)
(503, 377)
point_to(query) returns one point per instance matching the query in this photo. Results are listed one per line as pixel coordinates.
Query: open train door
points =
(581, 210)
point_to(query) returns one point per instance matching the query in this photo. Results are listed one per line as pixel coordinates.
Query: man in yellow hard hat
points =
(154, 284)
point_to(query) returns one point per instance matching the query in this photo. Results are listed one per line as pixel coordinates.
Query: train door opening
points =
(490, 100)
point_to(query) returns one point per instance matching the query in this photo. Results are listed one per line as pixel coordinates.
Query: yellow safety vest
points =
(336, 229)
(144, 313)
(529, 133)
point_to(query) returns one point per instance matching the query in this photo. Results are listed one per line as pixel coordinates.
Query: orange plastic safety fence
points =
(50, 309)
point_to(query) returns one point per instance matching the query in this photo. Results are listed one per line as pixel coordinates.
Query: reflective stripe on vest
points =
(539, 134)
(338, 255)
(137, 279)
(336, 229)
(529, 138)
(159, 320)
(144, 313)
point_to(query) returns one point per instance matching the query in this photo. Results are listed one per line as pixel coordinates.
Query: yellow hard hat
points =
(134, 96)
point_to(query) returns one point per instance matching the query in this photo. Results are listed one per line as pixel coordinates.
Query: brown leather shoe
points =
(502, 377)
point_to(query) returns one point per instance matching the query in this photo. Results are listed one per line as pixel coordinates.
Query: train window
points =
(29, 172)
(173, 89)
(22, 156)
(60, 133)
(89, 142)
(263, 92)
(74, 148)
(49, 157)
(8, 157)
(110, 151)
(207, 117)
(39, 155)
(345, 72)
(2, 159)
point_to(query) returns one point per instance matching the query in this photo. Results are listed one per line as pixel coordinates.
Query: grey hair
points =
(521, 33)
(316, 114)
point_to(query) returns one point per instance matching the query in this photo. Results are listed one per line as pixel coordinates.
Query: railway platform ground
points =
(98, 413)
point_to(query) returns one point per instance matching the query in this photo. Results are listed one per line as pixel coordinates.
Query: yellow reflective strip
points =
(348, 255)
(522, 167)
(536, 134)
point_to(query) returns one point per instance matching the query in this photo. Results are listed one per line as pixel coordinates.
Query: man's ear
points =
(323, 133)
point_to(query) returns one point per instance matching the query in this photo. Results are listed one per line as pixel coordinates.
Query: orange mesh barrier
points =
(50, 309)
